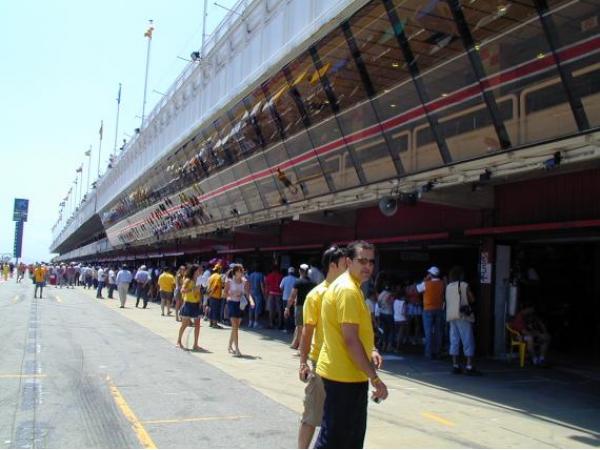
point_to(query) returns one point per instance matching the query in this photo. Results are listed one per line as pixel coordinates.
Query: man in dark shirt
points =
(301, 288)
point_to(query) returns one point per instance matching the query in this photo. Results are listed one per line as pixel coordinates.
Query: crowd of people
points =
(342, 320)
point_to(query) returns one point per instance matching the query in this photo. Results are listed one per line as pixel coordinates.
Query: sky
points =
(61, 63)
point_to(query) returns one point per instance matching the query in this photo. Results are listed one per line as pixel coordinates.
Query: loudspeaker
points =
(388, 206)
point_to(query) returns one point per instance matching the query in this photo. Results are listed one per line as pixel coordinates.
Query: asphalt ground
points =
(80, 372)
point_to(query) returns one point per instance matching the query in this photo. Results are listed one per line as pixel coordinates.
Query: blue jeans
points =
(461, 331)
(215, 309)
(100, 287)
(433, 326)
(258, 306)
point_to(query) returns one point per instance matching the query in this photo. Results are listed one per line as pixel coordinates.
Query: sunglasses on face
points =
(364, 261)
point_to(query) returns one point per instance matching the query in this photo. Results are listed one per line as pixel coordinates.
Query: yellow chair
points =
(516, 340)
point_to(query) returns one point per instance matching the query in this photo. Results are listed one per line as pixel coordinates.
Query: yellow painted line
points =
(17, 375)
(136, 425)
(438, 419)
(195, 419)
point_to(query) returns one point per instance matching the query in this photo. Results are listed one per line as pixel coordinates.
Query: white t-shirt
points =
(399, 310)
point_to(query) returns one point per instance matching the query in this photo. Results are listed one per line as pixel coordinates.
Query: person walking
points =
(142, 279)
(39, 278)
(123, 280)
(257, 289)
(214, 290)
(286, 286)
(112, 283)
(385, 301)
(177, 294)
(237, 290)
(311, 340)
(348, 357)
(272, 282)
(433, 290)
(166, 285)
(191, 306)
(460, 316)
(302, 287)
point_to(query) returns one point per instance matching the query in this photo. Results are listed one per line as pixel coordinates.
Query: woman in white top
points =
(400, 318)
(237, 290)
(460, 316)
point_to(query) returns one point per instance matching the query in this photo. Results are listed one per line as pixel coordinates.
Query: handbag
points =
(465, 310)
(243, 302)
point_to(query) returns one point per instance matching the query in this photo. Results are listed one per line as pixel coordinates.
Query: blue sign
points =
(21, 209)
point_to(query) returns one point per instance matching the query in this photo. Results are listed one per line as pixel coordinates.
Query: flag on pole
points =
(119, 95)
(79, 169)
(149, 31)
(88, 152)
(101, 129)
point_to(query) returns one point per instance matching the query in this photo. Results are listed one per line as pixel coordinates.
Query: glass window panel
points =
(367, 142)
(249, 194)
(339, 68)
(305, 79)
(576, 24)
(245, 133)
(262, 117)
(430, 30)
(278, 92)
(379, 47)
(511, 42)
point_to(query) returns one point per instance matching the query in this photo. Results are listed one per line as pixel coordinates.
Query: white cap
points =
(304, 267)
(291, 270)
(433, 270)
(143, 267)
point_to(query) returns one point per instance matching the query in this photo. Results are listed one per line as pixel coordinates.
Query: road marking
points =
(58, 299)
(437, 419)
(195, 419)
(17, 375)
(136, 425)
(15, 300)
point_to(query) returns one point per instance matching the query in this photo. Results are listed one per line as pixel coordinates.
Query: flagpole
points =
(117, 121)
(89, 155)
(100, 146)
(147, 34)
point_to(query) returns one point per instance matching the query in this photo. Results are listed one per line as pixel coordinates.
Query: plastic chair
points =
(516, 340)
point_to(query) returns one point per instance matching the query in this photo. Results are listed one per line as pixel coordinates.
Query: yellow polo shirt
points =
(166, 282)
(343, 303)
(312, 316)
(192, 295)
(39, 274)
(215, 285)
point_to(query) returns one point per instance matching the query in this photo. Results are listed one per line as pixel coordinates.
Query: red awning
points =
(291, 247)
(405, 238)
(549, 226)
(228, 251)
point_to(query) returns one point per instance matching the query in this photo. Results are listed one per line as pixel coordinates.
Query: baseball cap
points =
(433, 270)
(291, 270)
(143, 268)
(304, 266)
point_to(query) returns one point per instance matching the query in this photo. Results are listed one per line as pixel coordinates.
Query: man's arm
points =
(304, 348)
(359, 357)
(291, 302)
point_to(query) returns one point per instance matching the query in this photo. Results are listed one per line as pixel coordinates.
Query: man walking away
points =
(286, 286)
(302, 287)
(272, 282)
(142, 279)
(39, 278)
(215, 293)
(433, 290)
(166, 285)
(123, 280)
(102, 275)
(334, 262)
(112, 283)
(348, 358)
(257, 289)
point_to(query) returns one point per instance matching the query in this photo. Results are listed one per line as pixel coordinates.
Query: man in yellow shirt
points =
(166, 286)
(214, 289)
(334, 262)
(39, 278)
(348, 357)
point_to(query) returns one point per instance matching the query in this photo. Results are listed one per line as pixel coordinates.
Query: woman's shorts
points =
(190, 310)
(233, 308)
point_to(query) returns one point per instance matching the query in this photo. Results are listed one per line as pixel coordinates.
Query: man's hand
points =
(377, 359)
(286, 312)
(304, 372)
(380, 391)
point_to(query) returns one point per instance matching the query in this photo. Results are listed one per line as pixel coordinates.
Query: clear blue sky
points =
(61, 64)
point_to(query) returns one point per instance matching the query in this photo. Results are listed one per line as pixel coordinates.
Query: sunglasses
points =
(364, 261)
